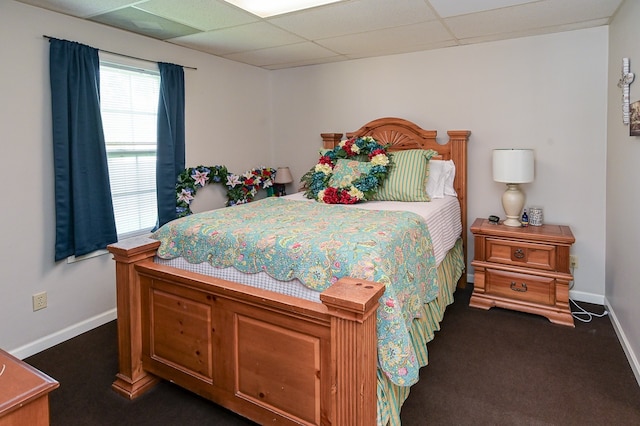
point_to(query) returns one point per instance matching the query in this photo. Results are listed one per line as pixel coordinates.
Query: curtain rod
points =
(123, 55)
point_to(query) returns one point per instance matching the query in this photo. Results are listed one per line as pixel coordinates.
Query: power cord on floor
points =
(582, 314)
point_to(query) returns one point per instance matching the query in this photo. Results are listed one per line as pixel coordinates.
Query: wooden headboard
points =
(401, 134)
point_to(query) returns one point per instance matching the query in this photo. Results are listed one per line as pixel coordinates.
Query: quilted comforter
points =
(318, 244)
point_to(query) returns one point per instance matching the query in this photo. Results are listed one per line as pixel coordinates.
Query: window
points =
(129, 107)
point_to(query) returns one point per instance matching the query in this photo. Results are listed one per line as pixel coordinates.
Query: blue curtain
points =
(84, 212)
(171, 150)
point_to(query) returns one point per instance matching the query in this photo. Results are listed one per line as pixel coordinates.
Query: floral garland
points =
(361, 189)
(241, 189)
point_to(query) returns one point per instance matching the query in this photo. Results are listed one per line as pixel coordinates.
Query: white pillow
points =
(441, 175)
(450, 168)
(435, 182)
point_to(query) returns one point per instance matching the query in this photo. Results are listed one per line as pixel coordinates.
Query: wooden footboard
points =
(269, 357)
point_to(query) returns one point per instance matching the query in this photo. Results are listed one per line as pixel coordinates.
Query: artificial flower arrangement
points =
(361, 185)
(241, 189)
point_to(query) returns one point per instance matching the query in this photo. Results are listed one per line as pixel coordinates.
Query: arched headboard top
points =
(400, 134)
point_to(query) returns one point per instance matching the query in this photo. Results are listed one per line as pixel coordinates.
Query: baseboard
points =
(581, 296)
(70, 332)
(622, 337)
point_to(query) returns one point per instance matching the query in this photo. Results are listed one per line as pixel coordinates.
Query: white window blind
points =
(129, 104)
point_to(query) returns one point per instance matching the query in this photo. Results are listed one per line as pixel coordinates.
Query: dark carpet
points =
(495, 367)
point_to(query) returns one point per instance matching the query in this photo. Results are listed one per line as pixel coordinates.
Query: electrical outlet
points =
(573, 261)
(39, 301)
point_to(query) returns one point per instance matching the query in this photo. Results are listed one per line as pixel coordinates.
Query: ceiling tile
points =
(529, 16)
(305, 63)
(255, 36)
(141, 22)
(398, 50)
(448, 8)
(354, 17)
(80, 8)
(534, 31)
(409, 36)
(205, 15)
(282, 54)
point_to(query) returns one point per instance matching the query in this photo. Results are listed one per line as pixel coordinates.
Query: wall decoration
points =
(634, 119)
(624, 82)
(241, 189)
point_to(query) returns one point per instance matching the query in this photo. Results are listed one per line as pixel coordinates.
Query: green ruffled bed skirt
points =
(391, 396)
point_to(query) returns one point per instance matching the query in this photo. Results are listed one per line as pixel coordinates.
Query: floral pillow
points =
(346, 171)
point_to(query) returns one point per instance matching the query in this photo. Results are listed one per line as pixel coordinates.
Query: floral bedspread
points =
(318, 244)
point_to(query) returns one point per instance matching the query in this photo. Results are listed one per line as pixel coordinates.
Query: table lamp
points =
(283, 176)
(513, 167)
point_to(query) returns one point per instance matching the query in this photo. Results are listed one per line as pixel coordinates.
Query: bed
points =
(274, 357)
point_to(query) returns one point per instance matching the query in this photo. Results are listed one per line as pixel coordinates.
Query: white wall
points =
(226, 120)
(623, 187)
(546, 92)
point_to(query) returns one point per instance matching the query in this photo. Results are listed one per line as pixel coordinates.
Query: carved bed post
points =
(458, 140)
(330, 140)
(131, 380)
(352, 305)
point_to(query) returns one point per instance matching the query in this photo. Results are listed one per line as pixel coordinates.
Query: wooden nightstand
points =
(24, 393)
(525, 269)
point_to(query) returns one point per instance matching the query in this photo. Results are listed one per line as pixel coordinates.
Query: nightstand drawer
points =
(519, 253)
(527, 288)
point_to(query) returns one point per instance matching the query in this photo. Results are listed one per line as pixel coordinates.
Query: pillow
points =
(408, 176)
(450, 168)
(346, 171)
(435, 182)
(440, 181)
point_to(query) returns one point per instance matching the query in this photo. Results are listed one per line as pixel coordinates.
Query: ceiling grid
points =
(343, 30)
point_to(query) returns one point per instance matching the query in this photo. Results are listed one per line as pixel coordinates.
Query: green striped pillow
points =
(407, 178)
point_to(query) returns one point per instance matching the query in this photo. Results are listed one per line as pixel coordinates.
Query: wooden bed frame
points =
(271, 358)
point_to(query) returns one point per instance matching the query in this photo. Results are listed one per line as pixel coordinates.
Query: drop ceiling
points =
(348, 29)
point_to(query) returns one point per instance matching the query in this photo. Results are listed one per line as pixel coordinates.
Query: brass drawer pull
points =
(518, 254)
(522, 288)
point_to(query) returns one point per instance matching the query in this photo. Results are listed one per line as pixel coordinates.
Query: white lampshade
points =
(283, 175)
(513, 165)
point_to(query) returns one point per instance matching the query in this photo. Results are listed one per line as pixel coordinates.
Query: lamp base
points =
(512, 222)
(279, 189)
(512, 203)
